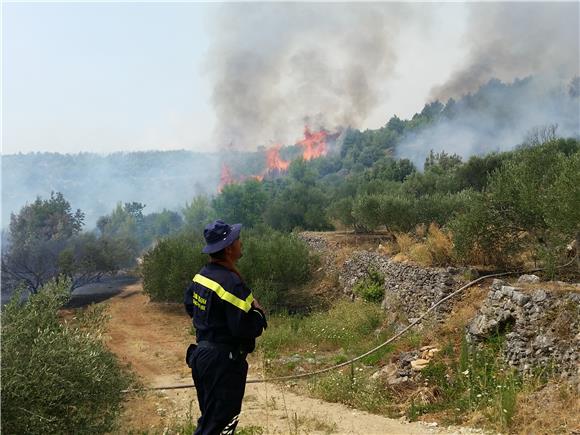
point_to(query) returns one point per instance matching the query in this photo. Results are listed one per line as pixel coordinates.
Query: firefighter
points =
(227, 320)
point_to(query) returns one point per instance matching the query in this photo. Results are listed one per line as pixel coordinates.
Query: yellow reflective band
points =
(223, 294)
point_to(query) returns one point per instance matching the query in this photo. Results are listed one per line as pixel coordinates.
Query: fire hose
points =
(359, 357)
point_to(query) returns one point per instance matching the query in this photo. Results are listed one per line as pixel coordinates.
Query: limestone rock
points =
(419, 364)
(529, 279)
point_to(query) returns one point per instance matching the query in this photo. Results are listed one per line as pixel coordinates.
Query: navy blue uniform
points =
(226, 326)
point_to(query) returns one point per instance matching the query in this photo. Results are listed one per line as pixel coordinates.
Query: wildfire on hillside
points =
(313, 145)
(225, 177)
(273, 160)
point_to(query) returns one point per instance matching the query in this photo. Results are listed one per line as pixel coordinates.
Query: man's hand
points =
(256, 304)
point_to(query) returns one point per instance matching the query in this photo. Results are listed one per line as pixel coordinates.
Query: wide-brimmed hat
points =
(219, 235)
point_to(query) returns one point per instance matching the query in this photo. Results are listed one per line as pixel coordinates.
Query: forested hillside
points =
(490, 207)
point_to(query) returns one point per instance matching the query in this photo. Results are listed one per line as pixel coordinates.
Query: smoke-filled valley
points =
(498, 117)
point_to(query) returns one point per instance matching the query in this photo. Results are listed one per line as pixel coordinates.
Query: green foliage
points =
(272, 262)
(43, 220)
(479, 380)
(297, 202)
(57, 377)
(346, 325)
(158, 225)
(45, 242)
(169, 267)
(371, 287)
(198, 213)
(241, 203)
(529, 204)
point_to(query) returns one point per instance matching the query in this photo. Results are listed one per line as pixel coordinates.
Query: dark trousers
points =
(220, 381)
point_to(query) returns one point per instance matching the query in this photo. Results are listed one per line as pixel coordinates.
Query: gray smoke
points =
(497, 118)
(515, 40)
(276, 67)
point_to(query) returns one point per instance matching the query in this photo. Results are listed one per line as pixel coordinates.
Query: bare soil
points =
(152, 338)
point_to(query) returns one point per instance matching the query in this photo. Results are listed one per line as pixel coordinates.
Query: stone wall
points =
(542, 328)
(409, 288)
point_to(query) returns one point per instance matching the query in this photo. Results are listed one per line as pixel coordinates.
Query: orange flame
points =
(225, 177)
(313, 144)
(274, 161)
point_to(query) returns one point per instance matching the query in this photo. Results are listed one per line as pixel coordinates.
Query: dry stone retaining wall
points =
(542, 328)
(410, 288)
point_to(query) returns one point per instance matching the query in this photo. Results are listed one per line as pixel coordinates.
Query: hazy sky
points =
(105, 77)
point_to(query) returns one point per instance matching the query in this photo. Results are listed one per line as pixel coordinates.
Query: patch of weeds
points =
(378, 356)
(479, 380)
(371, 288)
(250, 430)
(307, 424)
(352, 387)
(344, 325)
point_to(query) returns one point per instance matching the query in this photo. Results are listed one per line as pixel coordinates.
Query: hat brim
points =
(224, 243)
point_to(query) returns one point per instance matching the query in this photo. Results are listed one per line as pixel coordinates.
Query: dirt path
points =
(152, 337)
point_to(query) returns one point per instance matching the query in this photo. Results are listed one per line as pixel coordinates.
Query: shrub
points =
(271, 255)
(420, 253)
(57, 377)
(404, 242)
(169, 267)
(371, 288)
(272, 262)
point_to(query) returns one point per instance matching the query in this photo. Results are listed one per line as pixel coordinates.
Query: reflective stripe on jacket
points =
(220, 305)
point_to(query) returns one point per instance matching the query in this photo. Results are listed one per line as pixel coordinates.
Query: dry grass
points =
(404, 243)
(556, 287)
(453, 328)
(421, 231)
(439, 245)
(421, 254)
(427, 247)
(554, 408)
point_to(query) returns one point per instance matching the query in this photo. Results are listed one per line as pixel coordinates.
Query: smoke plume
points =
(514, 40)
(279, 66)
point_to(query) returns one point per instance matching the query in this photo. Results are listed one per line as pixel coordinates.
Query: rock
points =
(538, 328)
(520, 298)
(529, 279)
(497, 284)
(419, 364)
(539, 296)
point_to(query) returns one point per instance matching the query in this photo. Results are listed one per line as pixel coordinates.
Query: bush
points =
(371, 288)
(530, 203)
(439, 245)
(169, 267)
(57, 377)
(272, 262)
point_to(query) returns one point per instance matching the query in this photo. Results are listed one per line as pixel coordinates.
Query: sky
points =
(104, 77)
